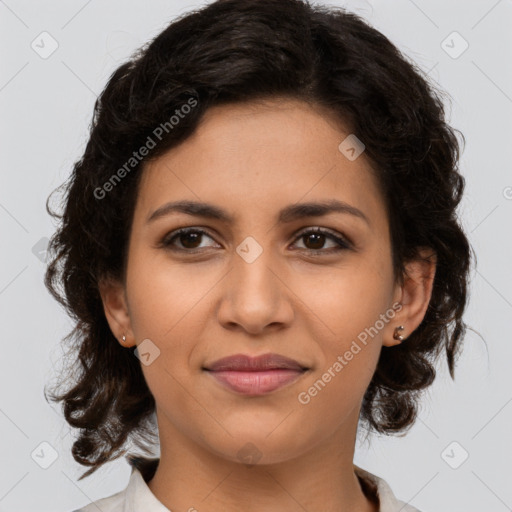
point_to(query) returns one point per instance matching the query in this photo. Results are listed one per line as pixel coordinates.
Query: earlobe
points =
(113, 296)
(415, 292)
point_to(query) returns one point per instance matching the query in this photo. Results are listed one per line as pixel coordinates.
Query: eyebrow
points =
(288, 214)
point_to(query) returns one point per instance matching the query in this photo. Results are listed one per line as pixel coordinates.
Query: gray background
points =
(45, 109)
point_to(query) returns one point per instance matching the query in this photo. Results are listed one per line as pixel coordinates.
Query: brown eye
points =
(315, 239)
(189, 239)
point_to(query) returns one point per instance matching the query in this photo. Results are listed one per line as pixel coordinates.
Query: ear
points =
(413, 294)
(115, 307)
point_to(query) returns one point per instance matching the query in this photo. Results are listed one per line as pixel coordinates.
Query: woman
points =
(261, 250)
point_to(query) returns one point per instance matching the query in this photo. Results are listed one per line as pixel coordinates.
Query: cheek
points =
(168, 305)
(163, 295)
(348, 303)
(349, 298)
(349, 309)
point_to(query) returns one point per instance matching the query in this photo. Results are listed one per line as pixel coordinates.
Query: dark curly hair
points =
(237, 51)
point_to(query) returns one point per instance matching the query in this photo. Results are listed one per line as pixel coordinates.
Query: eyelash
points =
(343, 244)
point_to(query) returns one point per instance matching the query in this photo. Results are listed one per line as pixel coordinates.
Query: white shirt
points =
(137, 496)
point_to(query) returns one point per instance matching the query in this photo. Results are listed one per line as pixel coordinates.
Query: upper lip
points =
(242, 362)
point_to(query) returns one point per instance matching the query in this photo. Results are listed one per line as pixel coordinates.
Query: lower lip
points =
(256, 383)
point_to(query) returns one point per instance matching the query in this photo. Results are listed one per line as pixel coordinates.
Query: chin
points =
(257, 447)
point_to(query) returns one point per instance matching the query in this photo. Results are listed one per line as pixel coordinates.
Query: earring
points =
(397, 336)
(124, 338)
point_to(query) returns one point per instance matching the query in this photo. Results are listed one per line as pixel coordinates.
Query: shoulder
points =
(114, 503)
(379, 487)
(136, 497)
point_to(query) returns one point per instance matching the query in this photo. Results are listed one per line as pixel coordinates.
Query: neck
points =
(191, 477)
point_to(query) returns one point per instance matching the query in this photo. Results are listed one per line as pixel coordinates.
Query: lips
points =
(255, 376)
(244, 363)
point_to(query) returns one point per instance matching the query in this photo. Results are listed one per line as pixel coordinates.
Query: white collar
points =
(388, 501)
(139, 496)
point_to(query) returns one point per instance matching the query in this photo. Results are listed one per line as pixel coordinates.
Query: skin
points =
(253, 159)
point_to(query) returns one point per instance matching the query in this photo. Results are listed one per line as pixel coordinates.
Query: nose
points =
(254, 295)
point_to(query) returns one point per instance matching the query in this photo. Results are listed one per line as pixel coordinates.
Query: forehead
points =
(254, 158)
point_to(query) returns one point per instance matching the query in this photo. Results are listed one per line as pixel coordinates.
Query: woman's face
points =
(260, 282)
